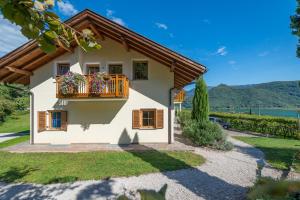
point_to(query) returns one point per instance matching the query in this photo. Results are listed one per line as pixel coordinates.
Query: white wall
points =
(103, 121)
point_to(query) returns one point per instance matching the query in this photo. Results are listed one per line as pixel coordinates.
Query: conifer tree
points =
(200, 101)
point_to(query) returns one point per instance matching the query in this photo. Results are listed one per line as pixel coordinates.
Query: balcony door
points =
(115, 69)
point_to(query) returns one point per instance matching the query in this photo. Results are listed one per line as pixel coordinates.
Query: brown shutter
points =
(64, 120)
(159, 118)
(136, 119)
(41, 121)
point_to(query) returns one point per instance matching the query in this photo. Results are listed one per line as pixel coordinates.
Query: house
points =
(134, 103)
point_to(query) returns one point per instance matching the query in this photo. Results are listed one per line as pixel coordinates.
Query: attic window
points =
(63, 68)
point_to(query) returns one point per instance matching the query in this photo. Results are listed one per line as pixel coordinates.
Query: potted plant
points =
(70, 83)
(98, 82)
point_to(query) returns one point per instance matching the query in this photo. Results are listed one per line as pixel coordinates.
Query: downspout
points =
(170, 116)
(31, 110)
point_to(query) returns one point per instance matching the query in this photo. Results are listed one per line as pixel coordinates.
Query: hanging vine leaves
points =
(38, 21)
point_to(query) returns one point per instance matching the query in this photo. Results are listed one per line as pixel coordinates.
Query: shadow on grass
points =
(192, 179)
(15, 174)
(65, 179)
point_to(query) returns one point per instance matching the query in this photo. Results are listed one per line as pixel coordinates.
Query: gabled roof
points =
(29, 57)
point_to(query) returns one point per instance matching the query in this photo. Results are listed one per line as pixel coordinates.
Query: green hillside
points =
(12, 100)
(279, 94)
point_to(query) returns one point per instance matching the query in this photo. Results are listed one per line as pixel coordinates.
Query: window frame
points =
(142, 118)
(49, 114)
(133, 70)
(86, 66)
(110, 64)
(58, 64)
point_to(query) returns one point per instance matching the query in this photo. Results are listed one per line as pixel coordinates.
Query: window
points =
(140, 70)
(52, 120)
(55, 120)
(148, 118)
(92, 68)
(62, 68)
(115, 69)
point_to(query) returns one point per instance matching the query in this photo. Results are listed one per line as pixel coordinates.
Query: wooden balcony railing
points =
(117, 86)
(179, 97)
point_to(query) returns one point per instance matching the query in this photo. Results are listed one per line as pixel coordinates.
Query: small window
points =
(115, 69)
(92, 68)
(55, 120)
(62, 68)
(148, 118)
(140, 70)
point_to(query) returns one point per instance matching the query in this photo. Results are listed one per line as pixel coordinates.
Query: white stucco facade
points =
(104, 120)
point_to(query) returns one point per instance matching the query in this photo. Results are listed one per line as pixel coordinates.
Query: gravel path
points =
(9, 136)
(225, 175)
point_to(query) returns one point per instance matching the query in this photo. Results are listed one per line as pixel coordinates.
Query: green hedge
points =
(277, 126)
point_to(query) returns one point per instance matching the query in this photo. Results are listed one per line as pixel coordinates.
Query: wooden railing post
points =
(117, 86)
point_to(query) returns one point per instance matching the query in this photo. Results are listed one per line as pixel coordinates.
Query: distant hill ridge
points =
(279, 94)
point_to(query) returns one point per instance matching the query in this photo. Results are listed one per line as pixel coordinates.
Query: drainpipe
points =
(170, 124)
(31, 110)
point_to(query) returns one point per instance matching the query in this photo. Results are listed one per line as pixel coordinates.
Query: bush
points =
(277, 126)
(269, 189)
(6, 108)
(184, 116)
(206, 134)
(22, 103)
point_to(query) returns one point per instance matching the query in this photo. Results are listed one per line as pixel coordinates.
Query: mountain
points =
(268, 95)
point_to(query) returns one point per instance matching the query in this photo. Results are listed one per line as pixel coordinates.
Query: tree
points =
(200, 101)
(295, 26)
(38, 21)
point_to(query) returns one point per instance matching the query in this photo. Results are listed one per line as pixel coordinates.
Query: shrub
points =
(183, 117)
(277, 126)
(6, 108)
(22, 103)
(206, 134)
(268, 189)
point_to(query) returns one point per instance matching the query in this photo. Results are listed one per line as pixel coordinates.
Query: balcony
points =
(114, 86)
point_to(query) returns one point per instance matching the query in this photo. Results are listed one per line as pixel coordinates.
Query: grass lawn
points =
(48, 168)
(17, 122)
(279, 152)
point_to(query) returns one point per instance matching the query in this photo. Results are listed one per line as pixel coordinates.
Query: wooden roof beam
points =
(125, 43)
(20, 71)
(96, 32)
(173, 66)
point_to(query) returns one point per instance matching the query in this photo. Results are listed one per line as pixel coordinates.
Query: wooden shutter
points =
(159, 119)
(41, 121)
(136, 119)
(64, 120)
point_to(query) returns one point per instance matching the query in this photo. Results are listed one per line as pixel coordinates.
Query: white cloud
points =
(221, 51)
(263, 54)
(110, 15)
(206, 21)
(66, 8)
(232, 62)
(161, 26)
(10, 36)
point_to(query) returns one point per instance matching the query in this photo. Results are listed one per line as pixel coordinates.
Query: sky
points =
(240, 42)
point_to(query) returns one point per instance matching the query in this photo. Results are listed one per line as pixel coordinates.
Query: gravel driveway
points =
(9, 136)
(225, 175)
